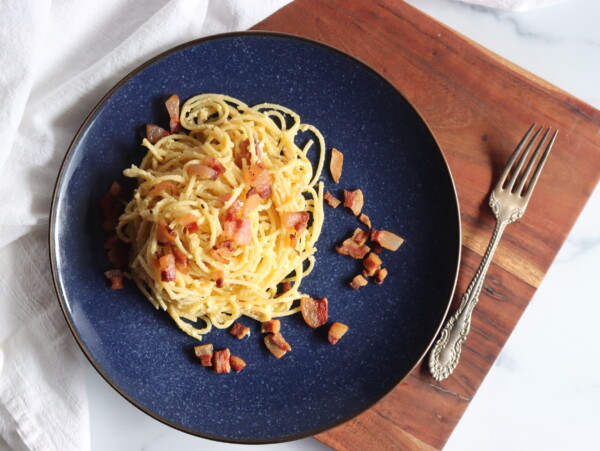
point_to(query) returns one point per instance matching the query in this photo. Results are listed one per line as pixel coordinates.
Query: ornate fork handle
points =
(445, 354)
(508, 200)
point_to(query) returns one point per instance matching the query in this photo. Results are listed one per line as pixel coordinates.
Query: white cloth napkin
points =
(57, 59)
(513, 5)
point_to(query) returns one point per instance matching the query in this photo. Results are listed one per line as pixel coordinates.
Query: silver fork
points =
(508, 203)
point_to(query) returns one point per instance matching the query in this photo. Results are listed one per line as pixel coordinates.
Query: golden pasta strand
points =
(211, 289)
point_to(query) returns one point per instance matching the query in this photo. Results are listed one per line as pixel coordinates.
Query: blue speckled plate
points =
(389, 153)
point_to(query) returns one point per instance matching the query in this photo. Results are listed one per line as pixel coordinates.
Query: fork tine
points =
(517, 169)
(513, 157)
(540, 166)
(532, 160)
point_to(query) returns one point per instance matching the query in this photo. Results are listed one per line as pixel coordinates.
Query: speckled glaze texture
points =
(389, 153)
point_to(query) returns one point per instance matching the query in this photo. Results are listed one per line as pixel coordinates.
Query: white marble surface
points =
(543, 392)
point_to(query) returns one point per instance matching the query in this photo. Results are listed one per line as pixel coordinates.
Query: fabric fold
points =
(59, 58)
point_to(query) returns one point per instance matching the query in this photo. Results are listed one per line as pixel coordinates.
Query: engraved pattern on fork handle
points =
(445, 354)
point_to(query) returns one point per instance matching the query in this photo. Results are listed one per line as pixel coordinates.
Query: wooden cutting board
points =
(478, 106)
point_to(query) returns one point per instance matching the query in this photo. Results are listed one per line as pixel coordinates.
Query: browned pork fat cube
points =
(221, 361)
(172, 105)
(273, 325)
(380, 276)
(386, 239)
(154, 133)
(333, 201)
(239, 331)
(358, 281)
(365, 220)
(271, 346)
(354, 200)
(360, 236)
(204, 353)
(236, 363)
(280, 342)
(258, 177)
(372, 263)
(164, 233)
(314, 311)
(285, 287)
(115, 189)
(116, 278)
(353, 249)
(252, 201)
(335, 164)
(296, 219)
(202, 171)
(336, 331)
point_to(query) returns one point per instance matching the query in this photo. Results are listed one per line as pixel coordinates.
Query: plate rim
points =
(53, 251)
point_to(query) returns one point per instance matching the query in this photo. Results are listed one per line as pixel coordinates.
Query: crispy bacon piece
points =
(271, 346)
(181, 260)
(189, 222)
(387, 240)
(273, 326)
(314, 311)
(358, 281)
(376, 247)
(116, 278)
(244, 152)
(192, 227)
(116, 250)
(353, 249)
(372, 263)
(239, 331)
(365, 220)
(333, 201)
(202, 171)
(335, 164)
(234, 209)
(115, 189)
(166, 264)
(243, 232)
(285, 287)
(258, 177)
(229, 221)
(164, 233)
(354, 200)
(380, 276)
(107, 204)
(167, 187)
(360, 236)
(280, 342)
(221, 254)
(296, 219)
(236, 363)
(110, 207)
(204, 353)
(214, 164)
(217, 276)
(221, 361)
(172, 105)
(336, 331)
(252, 201)
(154, 133)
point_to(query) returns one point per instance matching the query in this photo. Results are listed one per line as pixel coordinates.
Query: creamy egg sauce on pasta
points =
(228, 210)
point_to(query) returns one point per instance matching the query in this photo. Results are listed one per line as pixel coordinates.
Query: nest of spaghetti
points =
(226, 214)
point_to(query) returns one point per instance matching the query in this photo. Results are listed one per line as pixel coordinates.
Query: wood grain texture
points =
(478, 105)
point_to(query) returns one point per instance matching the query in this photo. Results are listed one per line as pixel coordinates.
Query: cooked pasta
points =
(225, 214)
